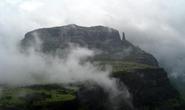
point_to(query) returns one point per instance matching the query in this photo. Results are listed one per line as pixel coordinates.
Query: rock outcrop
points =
(151, 89)
(139, 71)
(104, 39)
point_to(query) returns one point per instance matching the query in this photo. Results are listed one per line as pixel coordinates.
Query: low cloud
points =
(19, 68)
(155, 26)
(37, 68)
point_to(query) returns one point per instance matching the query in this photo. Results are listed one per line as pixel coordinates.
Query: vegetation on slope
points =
(123, 66)
(144, 82)
(35, 96)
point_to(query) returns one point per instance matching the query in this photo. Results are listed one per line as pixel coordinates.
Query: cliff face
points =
(148, 84)
(151, 89)
(104, 39)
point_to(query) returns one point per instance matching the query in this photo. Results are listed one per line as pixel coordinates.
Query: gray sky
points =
(157, 26)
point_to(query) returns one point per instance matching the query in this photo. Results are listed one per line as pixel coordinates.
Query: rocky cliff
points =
(104, 39)
(147, 83)
(151, 89)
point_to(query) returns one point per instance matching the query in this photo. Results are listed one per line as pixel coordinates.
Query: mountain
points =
(105, 39)
(147, 83)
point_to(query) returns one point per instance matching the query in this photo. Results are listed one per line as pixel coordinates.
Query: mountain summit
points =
(134, 71)
(106, 40)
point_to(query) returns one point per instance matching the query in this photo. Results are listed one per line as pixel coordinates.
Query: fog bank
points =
(156, 26)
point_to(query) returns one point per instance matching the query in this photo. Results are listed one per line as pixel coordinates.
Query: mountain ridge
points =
(138, 70)
(95, 37)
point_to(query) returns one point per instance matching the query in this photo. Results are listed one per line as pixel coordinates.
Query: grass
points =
(21, 96)
(123, 65)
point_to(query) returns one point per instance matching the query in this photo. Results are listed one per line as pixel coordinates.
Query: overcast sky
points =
(157, 26)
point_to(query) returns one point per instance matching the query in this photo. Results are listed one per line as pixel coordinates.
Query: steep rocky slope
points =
(104, 39)
(151, 89)
(147, 83)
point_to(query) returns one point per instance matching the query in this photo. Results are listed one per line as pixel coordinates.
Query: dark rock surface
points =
(94, 97)
(150, 87)
(104, 39)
